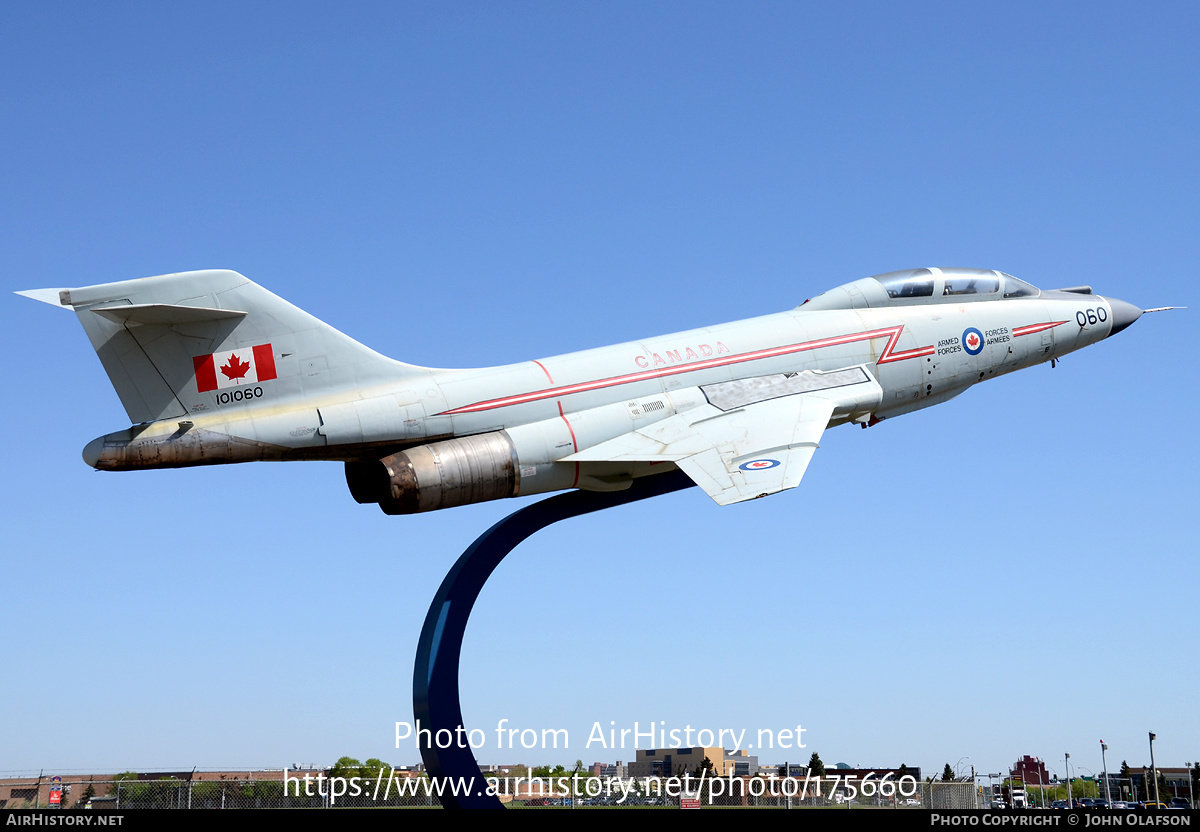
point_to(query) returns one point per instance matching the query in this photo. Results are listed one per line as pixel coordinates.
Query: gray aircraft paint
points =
(212, 368)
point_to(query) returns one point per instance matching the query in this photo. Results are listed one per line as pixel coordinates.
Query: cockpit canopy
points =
(914, 287)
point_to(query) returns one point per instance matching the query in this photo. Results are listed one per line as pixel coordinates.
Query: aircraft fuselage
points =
(706, 400)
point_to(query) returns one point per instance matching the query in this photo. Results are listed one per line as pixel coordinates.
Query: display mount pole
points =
(435, 677)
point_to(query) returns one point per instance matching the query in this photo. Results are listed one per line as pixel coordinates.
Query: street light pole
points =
(1067, 765)
(1104, 765)
(1153, 770)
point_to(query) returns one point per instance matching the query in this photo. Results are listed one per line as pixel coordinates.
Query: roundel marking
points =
(758, 464)
(972, 340)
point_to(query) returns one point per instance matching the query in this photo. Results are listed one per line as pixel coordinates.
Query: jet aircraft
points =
(214, 369)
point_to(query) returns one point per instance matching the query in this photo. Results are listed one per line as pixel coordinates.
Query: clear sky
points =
(468, 184)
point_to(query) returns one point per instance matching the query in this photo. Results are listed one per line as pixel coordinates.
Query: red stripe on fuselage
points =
(544, 370)
(892, 333)
(574, 442)
(1032, 328)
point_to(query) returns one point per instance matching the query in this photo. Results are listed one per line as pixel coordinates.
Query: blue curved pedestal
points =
(435, 676)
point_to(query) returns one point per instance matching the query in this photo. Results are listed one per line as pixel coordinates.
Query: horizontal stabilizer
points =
(54, 297)
(163, 313)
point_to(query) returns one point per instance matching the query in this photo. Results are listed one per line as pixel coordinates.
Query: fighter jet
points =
(214, 369)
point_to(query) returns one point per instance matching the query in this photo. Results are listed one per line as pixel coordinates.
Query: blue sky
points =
(1010, 573)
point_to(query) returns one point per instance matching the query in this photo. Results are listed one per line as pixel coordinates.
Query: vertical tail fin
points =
(171, 343)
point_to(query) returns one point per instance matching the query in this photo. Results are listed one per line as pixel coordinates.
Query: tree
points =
(705, 772)
(121, 778)
(350, 767)
(345, 767)
(1164, 788)
(815, 766)
(372, 769)
(947, 774)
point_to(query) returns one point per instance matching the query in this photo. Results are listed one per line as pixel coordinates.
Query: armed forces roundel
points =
(758, 464)
(972, 340)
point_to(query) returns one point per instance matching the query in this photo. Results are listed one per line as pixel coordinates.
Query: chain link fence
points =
(316, 790)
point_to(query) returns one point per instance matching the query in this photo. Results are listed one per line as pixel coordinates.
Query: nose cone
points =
(1123, 314)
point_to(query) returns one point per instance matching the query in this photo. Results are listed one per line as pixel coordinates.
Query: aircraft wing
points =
(755, 436)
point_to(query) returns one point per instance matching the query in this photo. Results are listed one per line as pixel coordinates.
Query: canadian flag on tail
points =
(234, 367)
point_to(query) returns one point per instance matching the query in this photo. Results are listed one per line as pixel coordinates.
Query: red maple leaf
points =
(235, 368)
(973, 340)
